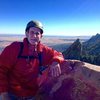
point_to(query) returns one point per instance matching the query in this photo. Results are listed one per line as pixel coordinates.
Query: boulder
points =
(78, 81)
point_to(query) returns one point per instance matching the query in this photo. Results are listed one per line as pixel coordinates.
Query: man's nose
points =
(34, 35)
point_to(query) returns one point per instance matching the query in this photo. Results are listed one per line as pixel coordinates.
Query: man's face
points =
(34, 35)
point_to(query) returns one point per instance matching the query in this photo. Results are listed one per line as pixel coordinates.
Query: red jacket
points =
(19, 75)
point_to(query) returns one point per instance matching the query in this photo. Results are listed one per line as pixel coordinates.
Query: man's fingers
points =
(56, 71)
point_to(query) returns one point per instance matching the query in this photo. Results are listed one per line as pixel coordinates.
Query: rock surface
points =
(74, 51)
(78, 81)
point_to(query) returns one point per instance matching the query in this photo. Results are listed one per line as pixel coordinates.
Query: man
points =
(20, 64)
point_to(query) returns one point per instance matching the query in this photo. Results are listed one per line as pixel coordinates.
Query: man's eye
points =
(32, 32)
(37, 33)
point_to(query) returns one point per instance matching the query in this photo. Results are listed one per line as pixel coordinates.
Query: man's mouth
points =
(34, 40)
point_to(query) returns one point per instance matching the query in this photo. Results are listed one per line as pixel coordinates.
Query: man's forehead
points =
(34, 29)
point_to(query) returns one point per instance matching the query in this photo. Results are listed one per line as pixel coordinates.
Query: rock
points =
(88, 51)
(74, 51)
(78, 81)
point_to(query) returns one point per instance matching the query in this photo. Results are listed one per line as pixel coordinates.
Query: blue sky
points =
(59, 17)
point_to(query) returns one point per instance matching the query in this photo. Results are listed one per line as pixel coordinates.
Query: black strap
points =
(40, 58)
(41, 68)
(21, 51)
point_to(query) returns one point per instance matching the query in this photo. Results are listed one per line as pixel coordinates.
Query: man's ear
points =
(26, 34)
(41, 35)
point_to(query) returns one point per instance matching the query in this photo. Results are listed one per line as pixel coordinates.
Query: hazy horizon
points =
(12, 34)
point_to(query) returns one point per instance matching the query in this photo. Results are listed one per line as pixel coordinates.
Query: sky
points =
(59, 17)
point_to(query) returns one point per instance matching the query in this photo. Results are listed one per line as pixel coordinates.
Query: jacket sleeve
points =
(6, 62)
(50, 55)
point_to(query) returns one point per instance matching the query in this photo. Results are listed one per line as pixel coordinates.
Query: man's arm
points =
(53, 59)
(6, 62)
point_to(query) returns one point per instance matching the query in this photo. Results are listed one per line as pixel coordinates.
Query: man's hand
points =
(55, 69)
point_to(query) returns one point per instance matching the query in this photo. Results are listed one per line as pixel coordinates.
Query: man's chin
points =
(33, 43)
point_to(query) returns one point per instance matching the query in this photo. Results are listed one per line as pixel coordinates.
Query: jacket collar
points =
(26, 47)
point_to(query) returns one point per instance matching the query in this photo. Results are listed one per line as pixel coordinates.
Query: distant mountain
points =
(92, 46)
(88, 51)
(74, 51)
(93, 40)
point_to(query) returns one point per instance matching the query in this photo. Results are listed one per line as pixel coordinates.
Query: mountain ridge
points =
(88, 51)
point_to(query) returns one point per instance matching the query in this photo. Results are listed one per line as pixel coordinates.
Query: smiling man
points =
(20, 64)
